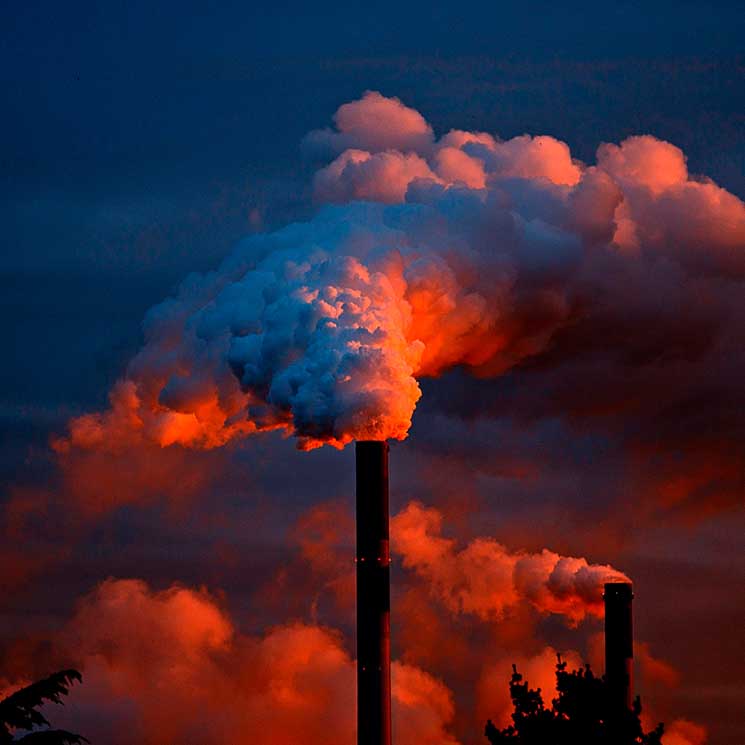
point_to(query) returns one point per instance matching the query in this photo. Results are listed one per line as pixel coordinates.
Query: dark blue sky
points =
(141, 140)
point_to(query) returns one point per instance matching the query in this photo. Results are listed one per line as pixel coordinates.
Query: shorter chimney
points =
(619, 646)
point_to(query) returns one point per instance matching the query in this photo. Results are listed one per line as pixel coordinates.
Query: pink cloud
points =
(379, 177)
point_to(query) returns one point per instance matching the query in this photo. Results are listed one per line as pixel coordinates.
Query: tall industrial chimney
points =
(619, 646)
(373, 596)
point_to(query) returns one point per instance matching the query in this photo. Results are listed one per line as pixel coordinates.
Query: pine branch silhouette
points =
(19, 711)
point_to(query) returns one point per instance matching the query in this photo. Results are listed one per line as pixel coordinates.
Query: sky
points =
(143, 144)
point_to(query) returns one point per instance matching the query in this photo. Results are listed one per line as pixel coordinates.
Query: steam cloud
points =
(486, 579)
(170, 666)
(467, 251)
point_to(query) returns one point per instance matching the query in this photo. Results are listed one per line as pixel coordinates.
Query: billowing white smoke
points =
(469, 251)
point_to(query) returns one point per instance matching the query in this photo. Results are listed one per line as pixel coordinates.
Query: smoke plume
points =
(484, 579)
(173, 666)
(487, 579)
(467, 251)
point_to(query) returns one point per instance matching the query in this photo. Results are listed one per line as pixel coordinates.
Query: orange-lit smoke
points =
(684, 732)
(487, 579)
(484, 579)
(173, 666)
(469, 250)
(115, 457)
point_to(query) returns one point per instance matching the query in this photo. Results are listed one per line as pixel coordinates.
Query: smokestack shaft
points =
(373, 596)
(619, 645)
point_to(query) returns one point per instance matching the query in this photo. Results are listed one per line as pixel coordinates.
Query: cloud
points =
(644, 162)
(487, 579)
(378, 177)
(527, 157)
(374, 123)
(499, 258)
(684, 732)
(173, 666)
(484, 579)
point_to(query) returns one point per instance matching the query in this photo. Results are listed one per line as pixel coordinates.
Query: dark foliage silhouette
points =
(19, 711)
(579, 715)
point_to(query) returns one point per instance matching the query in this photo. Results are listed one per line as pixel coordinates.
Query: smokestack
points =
(373, 596)
(619, 646)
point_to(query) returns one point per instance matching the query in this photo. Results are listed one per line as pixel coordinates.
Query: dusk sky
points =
(510, 239)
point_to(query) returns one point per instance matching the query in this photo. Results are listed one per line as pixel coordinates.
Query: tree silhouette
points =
(579, 715)
(19, 711)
